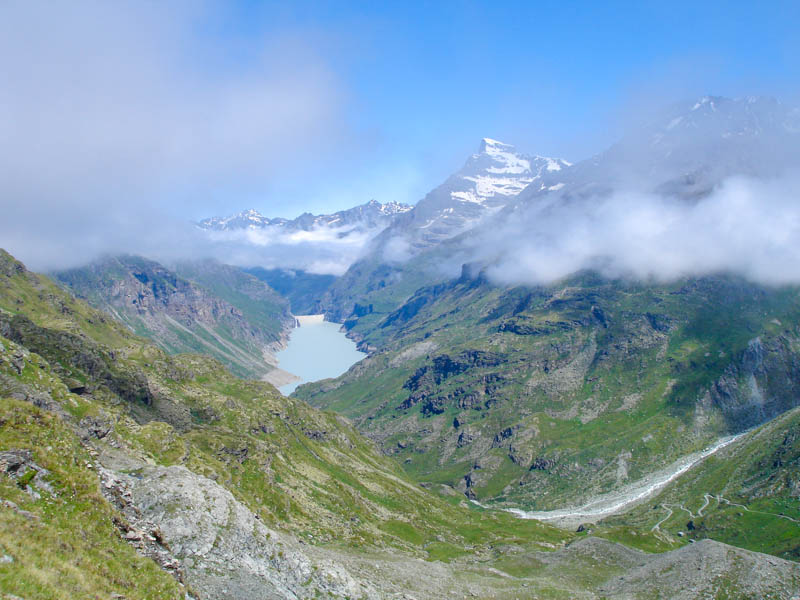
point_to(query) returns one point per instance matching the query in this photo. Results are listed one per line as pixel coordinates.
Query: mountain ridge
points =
(362, 217)
(201, 306)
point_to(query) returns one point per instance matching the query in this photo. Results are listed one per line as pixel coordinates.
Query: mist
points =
(121, 122)
(322, 250)
(747, 226)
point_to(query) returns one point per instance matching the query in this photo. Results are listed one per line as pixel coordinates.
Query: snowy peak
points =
(247, 219)
(367, 216)
(498, 172)
(715, 118)
(490, 146)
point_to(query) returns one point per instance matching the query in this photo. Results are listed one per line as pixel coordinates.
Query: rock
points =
(225, 550)
(542, 464)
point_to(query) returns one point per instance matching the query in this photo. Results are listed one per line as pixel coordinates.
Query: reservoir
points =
(317, 350)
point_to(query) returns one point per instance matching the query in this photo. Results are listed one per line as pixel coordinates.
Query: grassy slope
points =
(263, 311)
(650, 354)
(302, 289)
(62, 543)
(302, 470)
(760, 473)
(259, 303)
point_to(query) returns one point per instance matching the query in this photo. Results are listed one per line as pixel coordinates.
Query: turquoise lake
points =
(316, 350)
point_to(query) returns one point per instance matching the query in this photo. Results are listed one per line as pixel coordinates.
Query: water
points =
(317, 350)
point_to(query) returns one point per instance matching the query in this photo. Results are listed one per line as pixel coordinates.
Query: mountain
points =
(200, 307)
(747, 494)
(127, 472)
(536, 394)
(686, 150)
(303, 290)
(370, 216)
(534, 397)
(484, 185)
(404, 257)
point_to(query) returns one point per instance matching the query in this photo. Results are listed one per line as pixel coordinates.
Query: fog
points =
(745, 226)
(121, 120)
(322, 250)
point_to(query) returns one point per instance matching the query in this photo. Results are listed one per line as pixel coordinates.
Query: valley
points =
(474, 406)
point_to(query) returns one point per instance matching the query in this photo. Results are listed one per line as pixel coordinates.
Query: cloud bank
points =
(322, 250)
(746, 226)
(119, 119)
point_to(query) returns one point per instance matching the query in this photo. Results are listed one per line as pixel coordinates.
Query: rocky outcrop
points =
(212, 308)
(707, 569)
(762, 382)
(221, 549)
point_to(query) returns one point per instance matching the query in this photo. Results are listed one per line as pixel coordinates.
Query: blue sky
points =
(423, 82)
(198, 108)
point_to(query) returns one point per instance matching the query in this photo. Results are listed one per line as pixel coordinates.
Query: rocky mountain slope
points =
(303, 290)
(199, 307)
(397, 263)
(125, 471)
(535, 396)
(484, 185)
(529, 395)
(682, 153)
(748, 494)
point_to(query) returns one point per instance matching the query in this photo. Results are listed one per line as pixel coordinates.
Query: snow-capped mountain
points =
(485, 184)
(316, 243)
(688, 149)
(369, 216)
(249, 218)
(685, 152)
(497, 171)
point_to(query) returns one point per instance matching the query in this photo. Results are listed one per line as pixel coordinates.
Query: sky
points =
(116, 117)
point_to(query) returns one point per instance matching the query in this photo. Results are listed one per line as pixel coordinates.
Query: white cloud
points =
(747, 226)
(323, 250)
(118, 117)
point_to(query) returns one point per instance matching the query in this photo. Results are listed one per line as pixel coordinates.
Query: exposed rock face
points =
(581, 360)
(760, 384)
(224, 552)
(239, 324)
(30, 476)
(199, 529)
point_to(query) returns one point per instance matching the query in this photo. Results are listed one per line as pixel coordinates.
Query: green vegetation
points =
(201, 307)
(537, 397)
(64, 543)
(301, 470)
(747, 495)
(302, 289)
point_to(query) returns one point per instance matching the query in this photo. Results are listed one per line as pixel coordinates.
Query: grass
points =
(665, 345)
(66, 545)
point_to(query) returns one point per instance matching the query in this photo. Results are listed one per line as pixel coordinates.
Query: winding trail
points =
(706, 500)
(759, 512)
(657, 526)
(618, 501)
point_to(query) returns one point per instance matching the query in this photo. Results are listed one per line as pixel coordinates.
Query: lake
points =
(317, 350)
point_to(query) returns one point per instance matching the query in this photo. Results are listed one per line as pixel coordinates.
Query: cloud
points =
(397, 250)
(322, 250)
(118, 119)
(746, 225)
